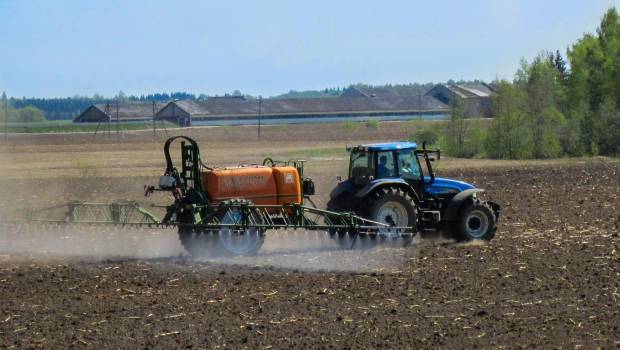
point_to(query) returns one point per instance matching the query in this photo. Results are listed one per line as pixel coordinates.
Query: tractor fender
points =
(342, 187)
(452, 211)
(376, 184)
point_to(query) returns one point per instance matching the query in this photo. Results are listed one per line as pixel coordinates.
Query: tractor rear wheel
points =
(227, 240)
(245, 241)
(198, 242)
(395, 207)
(477, 221)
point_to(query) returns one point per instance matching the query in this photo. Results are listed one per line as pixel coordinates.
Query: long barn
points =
(354, 102)
(185, 112)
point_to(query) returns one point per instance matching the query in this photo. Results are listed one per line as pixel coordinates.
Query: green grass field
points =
(57, 126)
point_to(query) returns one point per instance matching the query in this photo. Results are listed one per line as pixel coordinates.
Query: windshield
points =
(408, 165)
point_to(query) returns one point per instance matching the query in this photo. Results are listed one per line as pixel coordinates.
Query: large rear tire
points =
(395, 207)
(389, 205)
(226, 241)
(477, 222)
(198, 242)
(236, 242)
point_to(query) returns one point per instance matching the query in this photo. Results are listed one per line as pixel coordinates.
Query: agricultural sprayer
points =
(391, 194)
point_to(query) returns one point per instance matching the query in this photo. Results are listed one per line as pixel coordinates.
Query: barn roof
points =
(307, 106)
(396, 91)
(126, 112)
(472, 90)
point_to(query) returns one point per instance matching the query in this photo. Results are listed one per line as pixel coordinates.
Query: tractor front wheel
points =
(477, 221)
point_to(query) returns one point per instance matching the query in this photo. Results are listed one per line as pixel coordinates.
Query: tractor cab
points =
(380, 162)
(386, 160)
(402, 161)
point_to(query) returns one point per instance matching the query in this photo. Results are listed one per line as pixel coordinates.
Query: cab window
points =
(408, 165)
(361, 167)
(385, 165)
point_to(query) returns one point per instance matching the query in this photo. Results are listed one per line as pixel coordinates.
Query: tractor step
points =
(430, 217)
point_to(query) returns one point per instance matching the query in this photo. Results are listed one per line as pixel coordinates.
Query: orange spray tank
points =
(259, 184)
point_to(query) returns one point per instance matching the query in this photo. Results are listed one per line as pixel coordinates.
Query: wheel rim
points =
(477, 224)
(238, 242)
(393, 214)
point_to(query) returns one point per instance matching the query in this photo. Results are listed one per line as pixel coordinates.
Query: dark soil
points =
(550, 278)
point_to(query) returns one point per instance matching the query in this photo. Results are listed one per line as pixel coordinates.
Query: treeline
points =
(552, 108)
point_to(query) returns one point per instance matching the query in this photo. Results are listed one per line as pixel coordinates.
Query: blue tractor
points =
(394, 183)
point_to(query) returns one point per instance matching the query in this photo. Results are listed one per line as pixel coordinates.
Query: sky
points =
(82, 47)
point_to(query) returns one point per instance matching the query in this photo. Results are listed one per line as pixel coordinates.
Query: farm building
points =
(354, 102)
(127, 112)
(475, 97)
(185, 112)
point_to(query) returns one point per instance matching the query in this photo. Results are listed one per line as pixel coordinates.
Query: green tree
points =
(372, 124)
(560, 65)
(609, 40)
(462, 138)
(509, 135)
(429, 134)
(570, 133)
(542, 84)
(610, 122)
(594, 84)
(585, 88)
(28, 114)
(453, 140)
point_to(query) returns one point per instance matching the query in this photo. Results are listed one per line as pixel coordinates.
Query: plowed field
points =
(549, 279)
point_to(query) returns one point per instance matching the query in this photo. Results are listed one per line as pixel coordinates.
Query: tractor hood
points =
(442, 185)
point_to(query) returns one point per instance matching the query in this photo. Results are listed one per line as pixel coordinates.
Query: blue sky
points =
(66, 48)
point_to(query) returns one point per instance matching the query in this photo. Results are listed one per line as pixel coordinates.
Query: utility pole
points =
(260, 111)
(6, 117)
(118, 124)
(108, 113)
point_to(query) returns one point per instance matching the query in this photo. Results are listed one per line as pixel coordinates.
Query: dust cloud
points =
(97, 241)
(316, 251)
(304, 251)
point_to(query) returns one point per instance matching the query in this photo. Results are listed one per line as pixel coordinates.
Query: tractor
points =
(394, 184)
